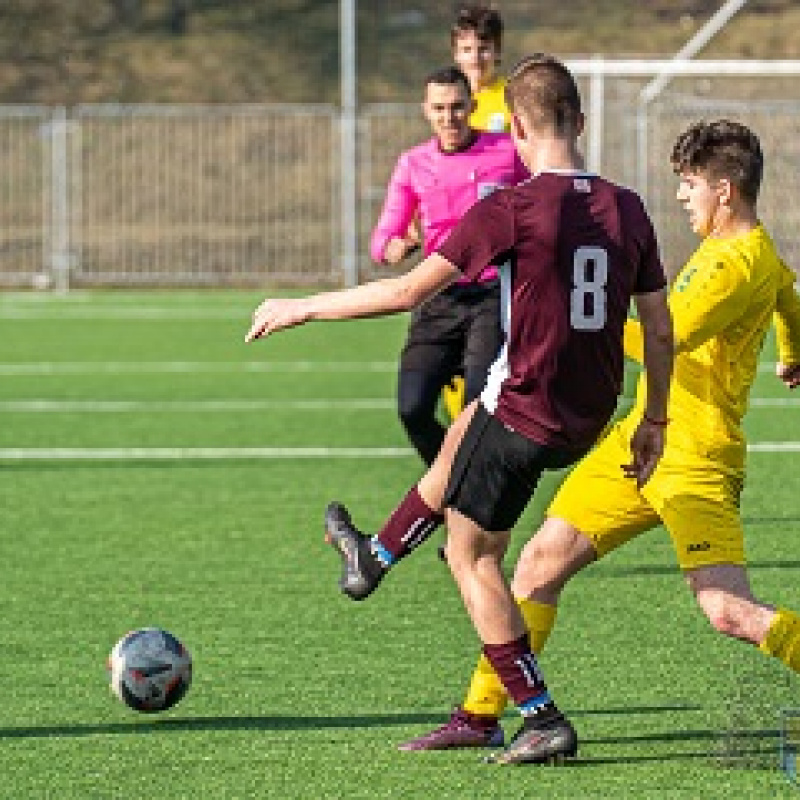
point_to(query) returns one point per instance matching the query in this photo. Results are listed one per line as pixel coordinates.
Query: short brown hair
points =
(484, 20)
(541, 89)
(449, 76)
(721, 149)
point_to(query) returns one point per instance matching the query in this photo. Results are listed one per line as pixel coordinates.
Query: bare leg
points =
(475, 557)
(555, 553)
(433, 484)
(723, 592)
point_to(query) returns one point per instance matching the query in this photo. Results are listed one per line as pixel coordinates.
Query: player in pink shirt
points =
(437, 182)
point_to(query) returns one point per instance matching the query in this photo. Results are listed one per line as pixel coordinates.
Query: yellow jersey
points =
(722, 302)
(491, 113)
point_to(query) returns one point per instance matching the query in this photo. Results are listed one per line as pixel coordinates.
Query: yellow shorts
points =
(697, 501)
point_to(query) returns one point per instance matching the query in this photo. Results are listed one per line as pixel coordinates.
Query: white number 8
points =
(589, 278)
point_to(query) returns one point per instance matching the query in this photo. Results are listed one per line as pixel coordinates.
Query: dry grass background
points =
(134, 51)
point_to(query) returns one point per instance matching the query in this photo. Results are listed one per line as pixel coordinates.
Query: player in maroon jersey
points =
(577, 249)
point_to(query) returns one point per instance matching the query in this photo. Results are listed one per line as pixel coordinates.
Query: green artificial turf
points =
(298, 692)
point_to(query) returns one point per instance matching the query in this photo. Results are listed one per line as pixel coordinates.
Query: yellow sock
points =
(486, 695)
(783, 639)
(453, 396)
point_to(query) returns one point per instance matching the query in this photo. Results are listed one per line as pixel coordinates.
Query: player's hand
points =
(789, 374)
(397, 249)
(647, 447)
(275, 315)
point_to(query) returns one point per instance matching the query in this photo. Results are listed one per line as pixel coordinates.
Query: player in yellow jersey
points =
(476, 38)
(722, 303)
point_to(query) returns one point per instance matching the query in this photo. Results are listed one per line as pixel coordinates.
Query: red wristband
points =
(661, 423)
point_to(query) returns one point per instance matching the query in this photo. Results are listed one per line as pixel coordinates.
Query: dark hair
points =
(449, 76)
(544, 91)
(484, 20)
(721, 149)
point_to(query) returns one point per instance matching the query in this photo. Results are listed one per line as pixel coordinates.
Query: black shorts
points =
(456, 329)
(495, 472)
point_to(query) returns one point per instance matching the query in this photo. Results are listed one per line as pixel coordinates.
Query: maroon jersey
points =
(575, 248)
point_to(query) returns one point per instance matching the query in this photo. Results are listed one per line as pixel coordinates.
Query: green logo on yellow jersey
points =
(685, 276)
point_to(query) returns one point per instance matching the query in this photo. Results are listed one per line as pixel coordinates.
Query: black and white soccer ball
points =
(150, 670)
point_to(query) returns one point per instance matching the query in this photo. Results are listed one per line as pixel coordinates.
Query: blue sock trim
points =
(535, 703)
(381, 553)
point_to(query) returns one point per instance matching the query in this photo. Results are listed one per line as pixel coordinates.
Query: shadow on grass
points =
(146, 724)
(672, 569)
(630, 710)
(267, 723)
(753, 749)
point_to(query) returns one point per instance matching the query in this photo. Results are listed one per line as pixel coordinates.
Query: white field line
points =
(252, 453)
(775, 402)
(169, 367)
(194, 406)
(46, 406)
(212, 367)
(196, 453)
(123, 312)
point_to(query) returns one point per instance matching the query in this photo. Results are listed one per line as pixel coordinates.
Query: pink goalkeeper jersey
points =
(441, 187)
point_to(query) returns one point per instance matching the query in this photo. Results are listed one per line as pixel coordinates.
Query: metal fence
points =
(251, 195)
(110, 195)
(26, 195)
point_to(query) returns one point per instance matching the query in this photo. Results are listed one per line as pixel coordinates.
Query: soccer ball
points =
(150, 670)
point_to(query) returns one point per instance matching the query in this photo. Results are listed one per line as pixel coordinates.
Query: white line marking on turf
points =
(775, 402)
(121, 406)
(260, 453)
(122, 312)
(195, 453)
(139, 367)
(46, 406)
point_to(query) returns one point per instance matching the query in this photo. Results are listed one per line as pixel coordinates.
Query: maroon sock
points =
(516, 666)
(410, 524)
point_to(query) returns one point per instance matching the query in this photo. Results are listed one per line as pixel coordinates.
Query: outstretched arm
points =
(378, 298)
(647, 444)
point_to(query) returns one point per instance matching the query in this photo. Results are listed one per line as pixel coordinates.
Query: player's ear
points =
(517, 126)
(726, 190)
(580, 124)
(426, 114)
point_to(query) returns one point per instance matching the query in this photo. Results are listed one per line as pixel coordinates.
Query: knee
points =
(721, 612)
(409, 410)
(547, 562)
(413, 409)
(473, 554)
(536, 566)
